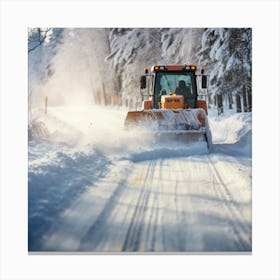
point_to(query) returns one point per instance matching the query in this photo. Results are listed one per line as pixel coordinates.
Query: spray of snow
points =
(73, 72)
(102, 128)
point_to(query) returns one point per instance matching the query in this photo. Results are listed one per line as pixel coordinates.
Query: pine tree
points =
(227, 56)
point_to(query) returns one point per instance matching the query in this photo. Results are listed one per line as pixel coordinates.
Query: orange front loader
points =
(171, 105)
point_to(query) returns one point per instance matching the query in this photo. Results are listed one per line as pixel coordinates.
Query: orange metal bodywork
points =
(134, 117)
(174, 67)
(172, 102)
(201, 119)
(202, 104)
(147, 104)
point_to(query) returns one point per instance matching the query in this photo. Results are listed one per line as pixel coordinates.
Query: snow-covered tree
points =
(103, 65)
(227, 55)
(133, 49)
(42, 47)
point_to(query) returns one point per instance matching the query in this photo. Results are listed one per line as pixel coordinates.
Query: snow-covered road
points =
(114, 197)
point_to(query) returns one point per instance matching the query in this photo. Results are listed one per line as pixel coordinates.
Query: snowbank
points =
(232, 134)
(57, 174)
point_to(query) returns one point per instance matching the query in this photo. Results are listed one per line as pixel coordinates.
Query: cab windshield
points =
(179, 83)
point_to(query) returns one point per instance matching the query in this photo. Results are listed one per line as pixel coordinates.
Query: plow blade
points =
(169, 126)
(180, 136)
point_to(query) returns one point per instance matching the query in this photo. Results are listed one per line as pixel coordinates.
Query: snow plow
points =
(172, 108)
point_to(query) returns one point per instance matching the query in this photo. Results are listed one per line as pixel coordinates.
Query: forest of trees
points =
(227, 54)
(103, 65)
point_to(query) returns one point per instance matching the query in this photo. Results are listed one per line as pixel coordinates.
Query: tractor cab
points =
(172, 86)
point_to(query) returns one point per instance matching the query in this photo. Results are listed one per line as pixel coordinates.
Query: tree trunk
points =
(245, 104)
(238, 103)
(220, 104)
(230, 101)
(249, 102)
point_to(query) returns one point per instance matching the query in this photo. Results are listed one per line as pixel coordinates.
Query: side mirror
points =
(143, 82)
(203, 81)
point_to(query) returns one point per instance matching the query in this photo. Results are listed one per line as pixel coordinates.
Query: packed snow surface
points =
(95, 187)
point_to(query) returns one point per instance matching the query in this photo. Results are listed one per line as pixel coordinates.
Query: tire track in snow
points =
(187, 239)
(135, 230)
(89, 208)
(121, 226)
(242, 231)
(158, 205)
(87, 242)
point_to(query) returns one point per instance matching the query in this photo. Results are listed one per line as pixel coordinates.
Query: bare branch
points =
(39, 39)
